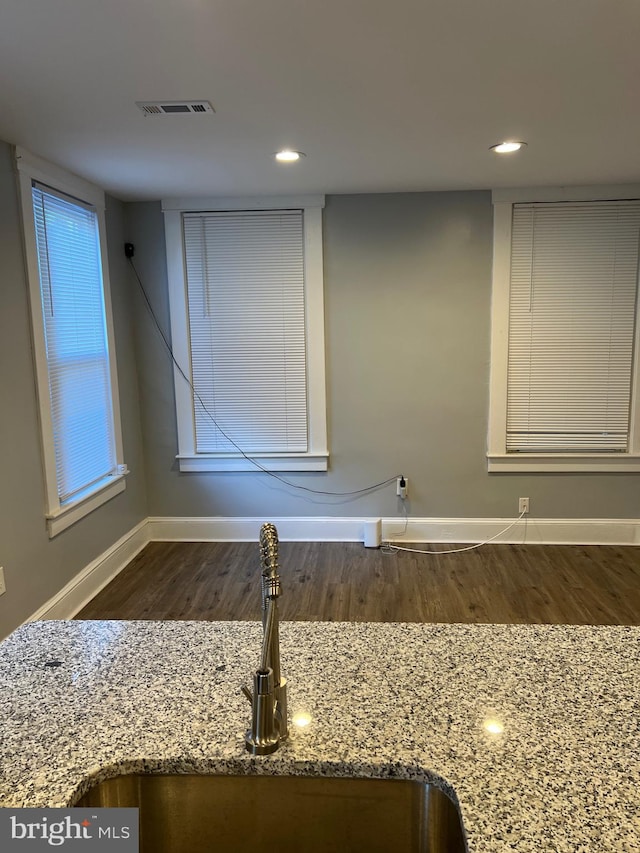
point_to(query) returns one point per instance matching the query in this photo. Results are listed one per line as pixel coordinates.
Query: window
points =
(64, 238)
(564, 338)
(247, 323)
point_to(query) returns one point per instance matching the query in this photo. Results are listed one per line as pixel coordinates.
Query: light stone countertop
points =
(408, 700)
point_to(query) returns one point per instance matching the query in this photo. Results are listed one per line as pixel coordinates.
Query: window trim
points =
(498, 460)
(31, 168)
(316, 458)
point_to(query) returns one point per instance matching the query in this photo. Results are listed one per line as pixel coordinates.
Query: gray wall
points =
(407, 296)
(408, 283)
(36, 567)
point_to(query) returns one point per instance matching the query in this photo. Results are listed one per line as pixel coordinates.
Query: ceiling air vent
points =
(168, 108)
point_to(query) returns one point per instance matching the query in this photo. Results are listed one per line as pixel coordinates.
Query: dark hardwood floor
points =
(558, 584)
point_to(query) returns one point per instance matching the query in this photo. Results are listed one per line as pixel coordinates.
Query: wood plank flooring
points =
(556, 584)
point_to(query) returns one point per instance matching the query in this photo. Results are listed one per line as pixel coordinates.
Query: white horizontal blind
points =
(76, 341)
(574, 282)
(245, 282)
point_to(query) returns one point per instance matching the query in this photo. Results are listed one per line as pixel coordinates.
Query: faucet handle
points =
(247, 693)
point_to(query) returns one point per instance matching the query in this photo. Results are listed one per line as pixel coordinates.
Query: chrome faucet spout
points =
(269, 699)
(269, 628)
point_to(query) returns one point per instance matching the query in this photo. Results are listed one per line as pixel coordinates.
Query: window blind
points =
(574, 281)
(76, 341)
(245, 286)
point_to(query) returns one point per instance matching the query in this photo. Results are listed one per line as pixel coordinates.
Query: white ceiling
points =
(382, 95)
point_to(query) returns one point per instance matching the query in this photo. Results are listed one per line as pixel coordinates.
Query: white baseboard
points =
(90, 580)
(220, 529)
(527, 531)
(533, 531)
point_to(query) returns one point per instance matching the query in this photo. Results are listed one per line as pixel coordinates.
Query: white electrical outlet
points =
(3, 587)
(523, 505)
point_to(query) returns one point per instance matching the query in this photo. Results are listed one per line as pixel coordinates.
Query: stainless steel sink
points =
(290, 814)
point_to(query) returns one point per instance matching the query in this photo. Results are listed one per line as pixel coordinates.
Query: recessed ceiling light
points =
(507, 147)
(288, 156)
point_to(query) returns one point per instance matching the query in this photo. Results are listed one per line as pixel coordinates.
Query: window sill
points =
(272, 462)
(67, 515)
(547, 463)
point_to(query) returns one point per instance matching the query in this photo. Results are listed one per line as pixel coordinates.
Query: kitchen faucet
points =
(269, 697)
